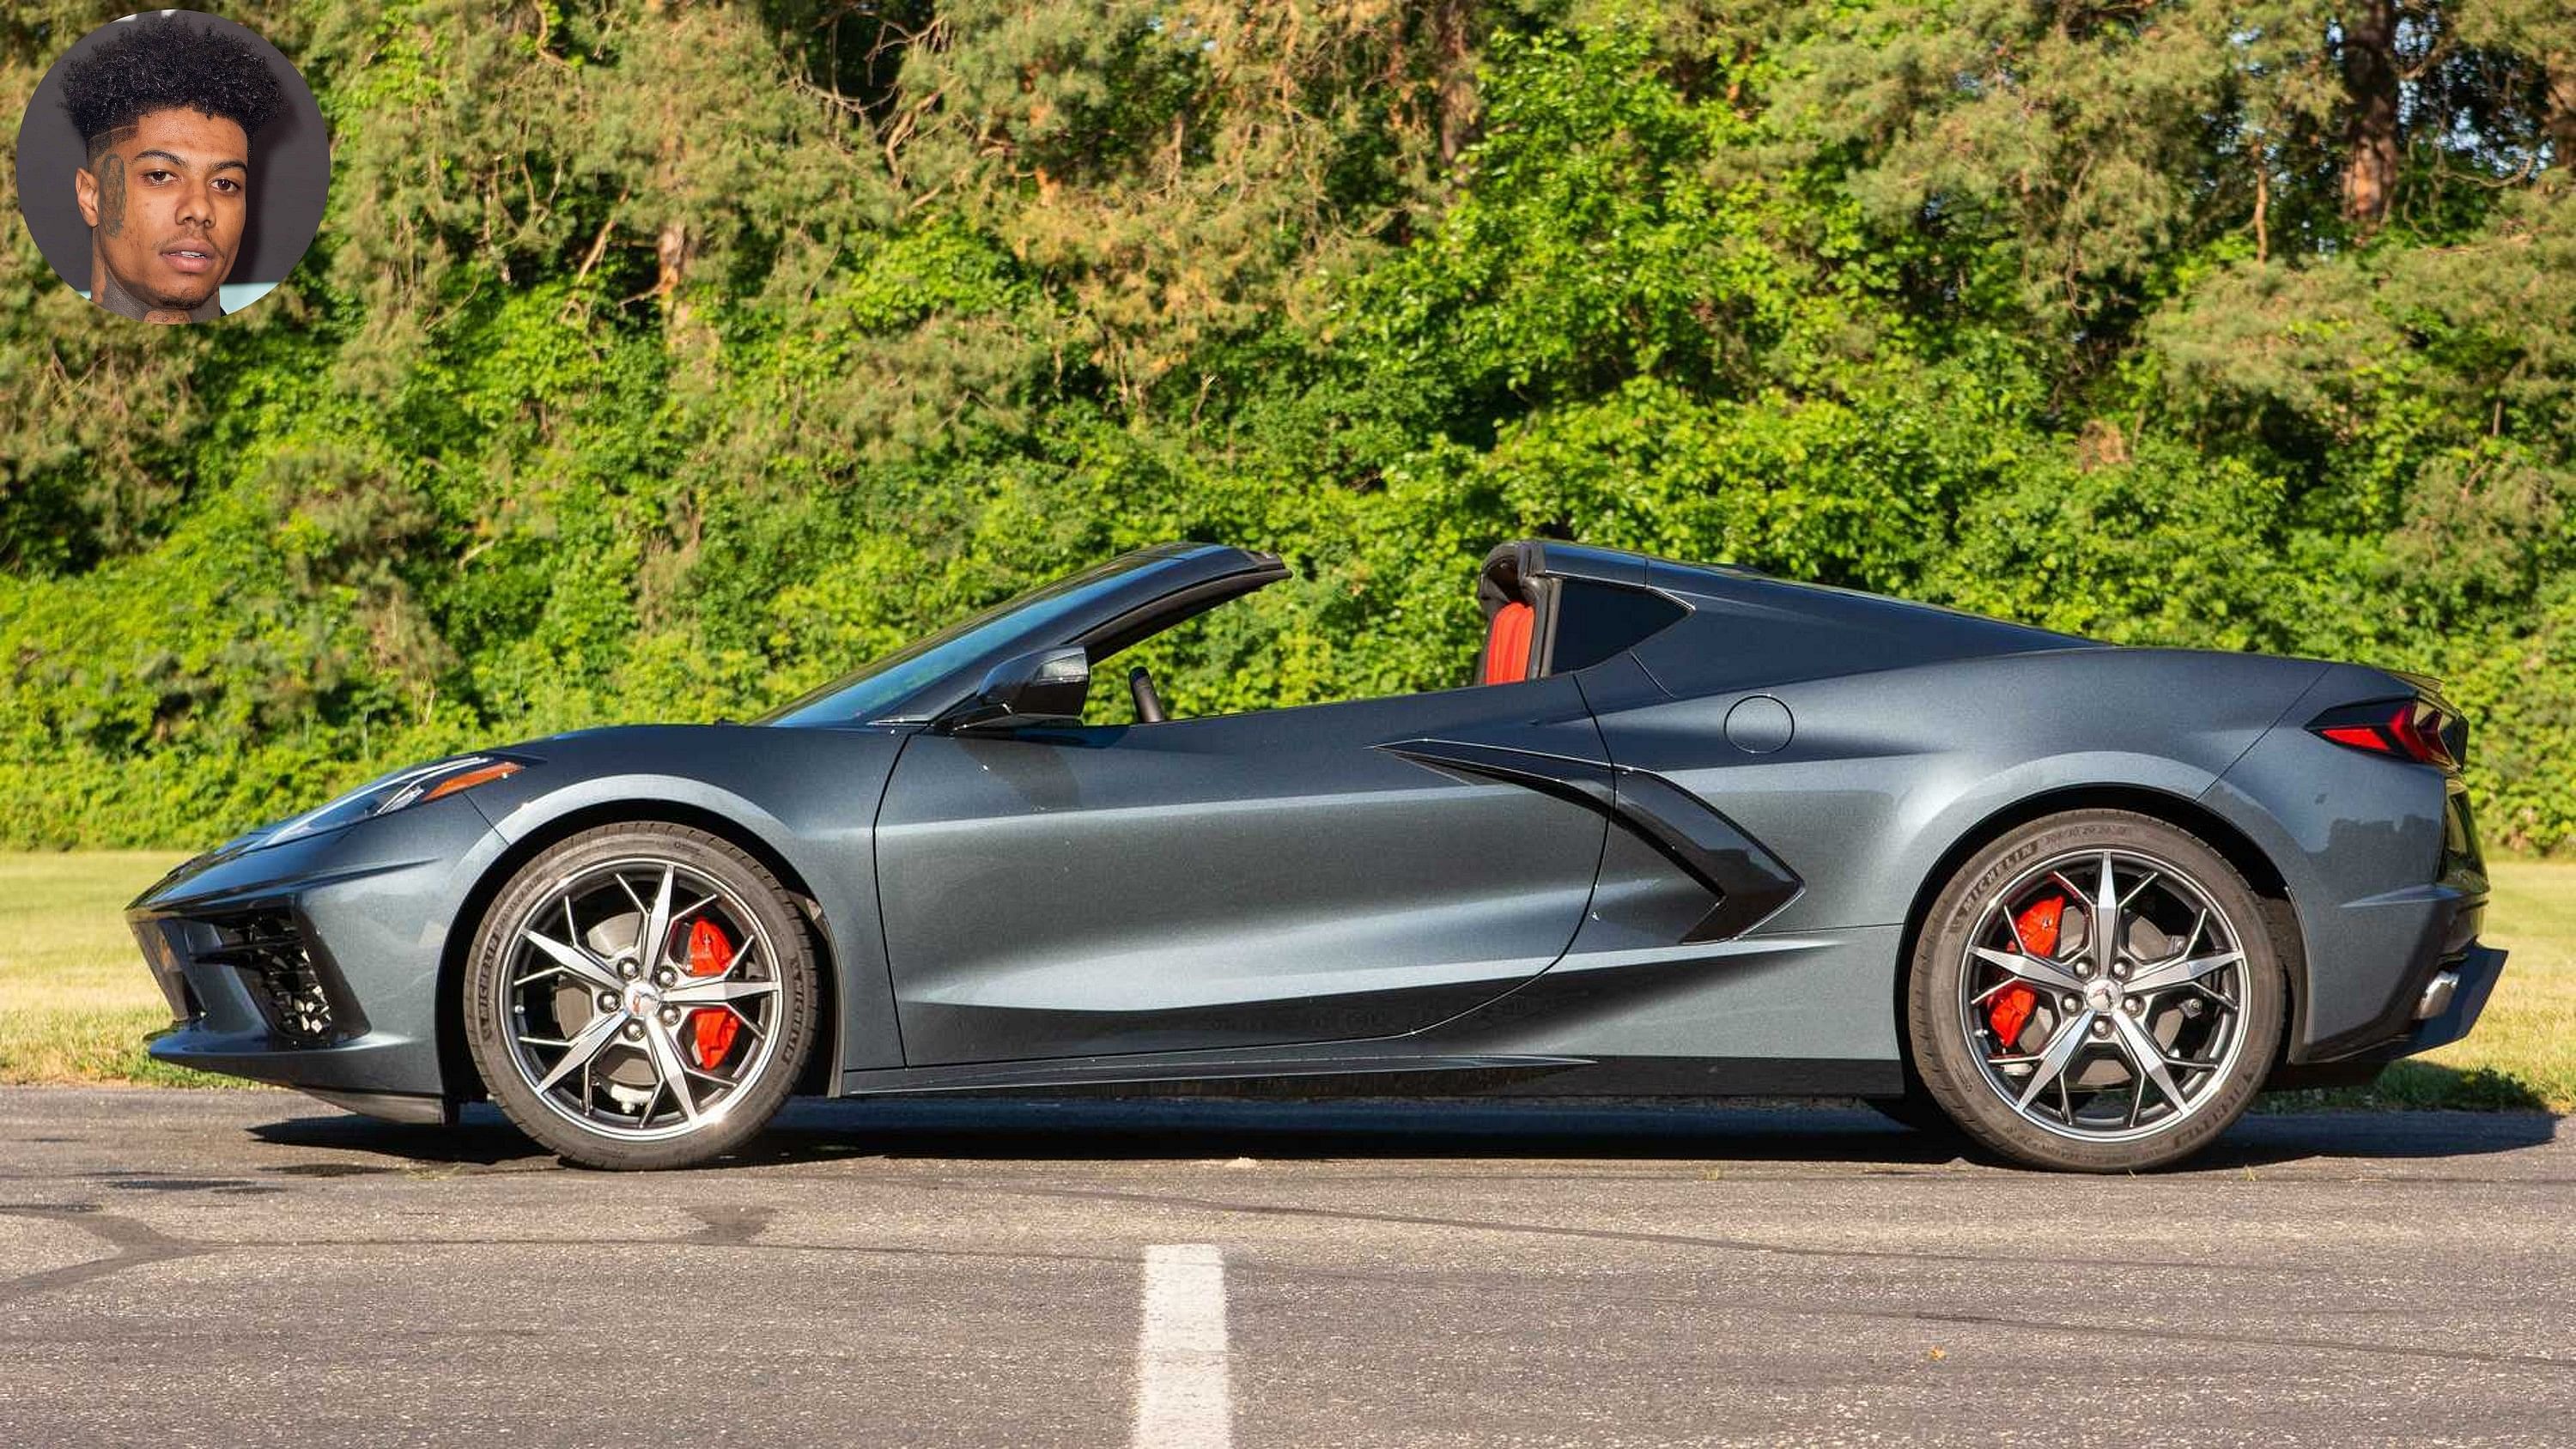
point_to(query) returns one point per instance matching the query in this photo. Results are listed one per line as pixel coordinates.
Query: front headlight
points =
(399, 790)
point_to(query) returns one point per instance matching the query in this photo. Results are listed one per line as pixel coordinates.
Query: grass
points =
(76, 1002)
(75, 999)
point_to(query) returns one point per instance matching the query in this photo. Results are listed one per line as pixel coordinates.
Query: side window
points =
(1245, 656)
(1595, 621)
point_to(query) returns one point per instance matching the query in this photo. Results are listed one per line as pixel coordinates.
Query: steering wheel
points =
(1149, 705)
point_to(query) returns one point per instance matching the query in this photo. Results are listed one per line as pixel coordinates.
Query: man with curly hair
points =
(166, 109)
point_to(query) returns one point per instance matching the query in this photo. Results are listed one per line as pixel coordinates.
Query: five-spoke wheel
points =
(2098, 990)
(641, 996)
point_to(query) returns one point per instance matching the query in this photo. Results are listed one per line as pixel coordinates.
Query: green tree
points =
(659, 358)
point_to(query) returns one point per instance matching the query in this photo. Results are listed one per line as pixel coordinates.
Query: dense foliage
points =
(658, 359)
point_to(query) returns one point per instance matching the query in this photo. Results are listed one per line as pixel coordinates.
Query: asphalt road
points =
(251, 1268)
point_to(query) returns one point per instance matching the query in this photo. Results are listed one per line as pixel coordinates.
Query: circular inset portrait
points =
(172, 166)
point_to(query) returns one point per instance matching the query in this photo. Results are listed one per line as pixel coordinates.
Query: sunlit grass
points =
(76, 1002)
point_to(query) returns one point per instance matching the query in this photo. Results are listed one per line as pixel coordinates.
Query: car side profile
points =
(1688, 830)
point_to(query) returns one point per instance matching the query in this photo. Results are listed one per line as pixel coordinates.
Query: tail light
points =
(2415, 729)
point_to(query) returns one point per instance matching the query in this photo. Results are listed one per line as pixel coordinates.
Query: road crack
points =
(137, 1245)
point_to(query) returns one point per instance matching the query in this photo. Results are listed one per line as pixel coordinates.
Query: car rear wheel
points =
(2098, 991)
(641, 996)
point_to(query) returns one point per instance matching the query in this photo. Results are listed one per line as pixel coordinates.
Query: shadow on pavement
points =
(1093, 1129)
(483, 1138)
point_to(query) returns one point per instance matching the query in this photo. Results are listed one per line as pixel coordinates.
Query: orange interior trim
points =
(1507, 644)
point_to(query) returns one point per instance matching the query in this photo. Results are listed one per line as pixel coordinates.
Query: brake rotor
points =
(620, 1066)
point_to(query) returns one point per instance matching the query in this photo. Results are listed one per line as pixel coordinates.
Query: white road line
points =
(1182, 1397)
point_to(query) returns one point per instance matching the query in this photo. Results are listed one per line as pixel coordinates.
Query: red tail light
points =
(2407, 729)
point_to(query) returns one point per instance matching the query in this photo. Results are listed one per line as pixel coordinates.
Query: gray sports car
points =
(1687, 830)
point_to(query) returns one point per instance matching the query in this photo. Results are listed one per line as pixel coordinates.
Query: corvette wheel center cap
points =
(642, 999)
(2101, 995)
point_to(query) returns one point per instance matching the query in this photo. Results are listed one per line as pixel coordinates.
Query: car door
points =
(1314, 874)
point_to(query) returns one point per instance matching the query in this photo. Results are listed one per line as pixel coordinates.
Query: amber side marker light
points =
(497, 770)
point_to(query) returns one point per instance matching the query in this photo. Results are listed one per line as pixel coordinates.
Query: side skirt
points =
(1322, 1072)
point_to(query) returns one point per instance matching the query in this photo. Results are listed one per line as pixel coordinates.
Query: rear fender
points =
(2358, 841)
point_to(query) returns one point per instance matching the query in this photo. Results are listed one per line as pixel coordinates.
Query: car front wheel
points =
(641, 996)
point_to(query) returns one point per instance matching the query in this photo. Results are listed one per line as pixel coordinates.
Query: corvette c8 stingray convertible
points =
(1688, 830)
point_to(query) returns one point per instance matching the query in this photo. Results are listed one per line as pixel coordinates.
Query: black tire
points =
(1968, 1073)
(1915, 1110)
(759, 908)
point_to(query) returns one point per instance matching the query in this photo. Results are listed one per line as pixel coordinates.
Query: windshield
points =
(877, 689)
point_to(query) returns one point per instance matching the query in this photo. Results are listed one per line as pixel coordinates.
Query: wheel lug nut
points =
(608, 1001)
(2101, 1028)
(670, 1016)
(664, 977)
(2136, 1005)
(2074, 1003)
(629, 970)
(634, 1031)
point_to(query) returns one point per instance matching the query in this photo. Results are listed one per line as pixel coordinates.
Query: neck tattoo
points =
(108, 292)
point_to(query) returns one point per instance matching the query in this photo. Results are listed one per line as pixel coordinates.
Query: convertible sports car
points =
(1689, 830)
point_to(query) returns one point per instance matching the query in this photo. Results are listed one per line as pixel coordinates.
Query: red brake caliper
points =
(711, 1028)
(2010, 1010)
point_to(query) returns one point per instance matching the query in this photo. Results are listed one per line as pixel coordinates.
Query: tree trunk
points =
(2370, 80)
(1453, 45)
(673, 250)
(2560, 122)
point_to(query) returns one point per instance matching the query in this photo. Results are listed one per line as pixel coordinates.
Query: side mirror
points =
(1045, 687)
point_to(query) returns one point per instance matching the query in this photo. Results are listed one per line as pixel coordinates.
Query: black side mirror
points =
(1045, 687)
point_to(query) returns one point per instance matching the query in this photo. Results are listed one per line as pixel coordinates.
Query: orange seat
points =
(1507, 644)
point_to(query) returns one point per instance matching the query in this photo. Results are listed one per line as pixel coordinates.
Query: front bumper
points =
(315, 964)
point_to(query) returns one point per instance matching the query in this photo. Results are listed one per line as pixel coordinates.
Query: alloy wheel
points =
(2102, 994)
(641, 998)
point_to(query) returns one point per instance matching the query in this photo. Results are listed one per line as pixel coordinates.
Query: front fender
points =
(806, 797)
